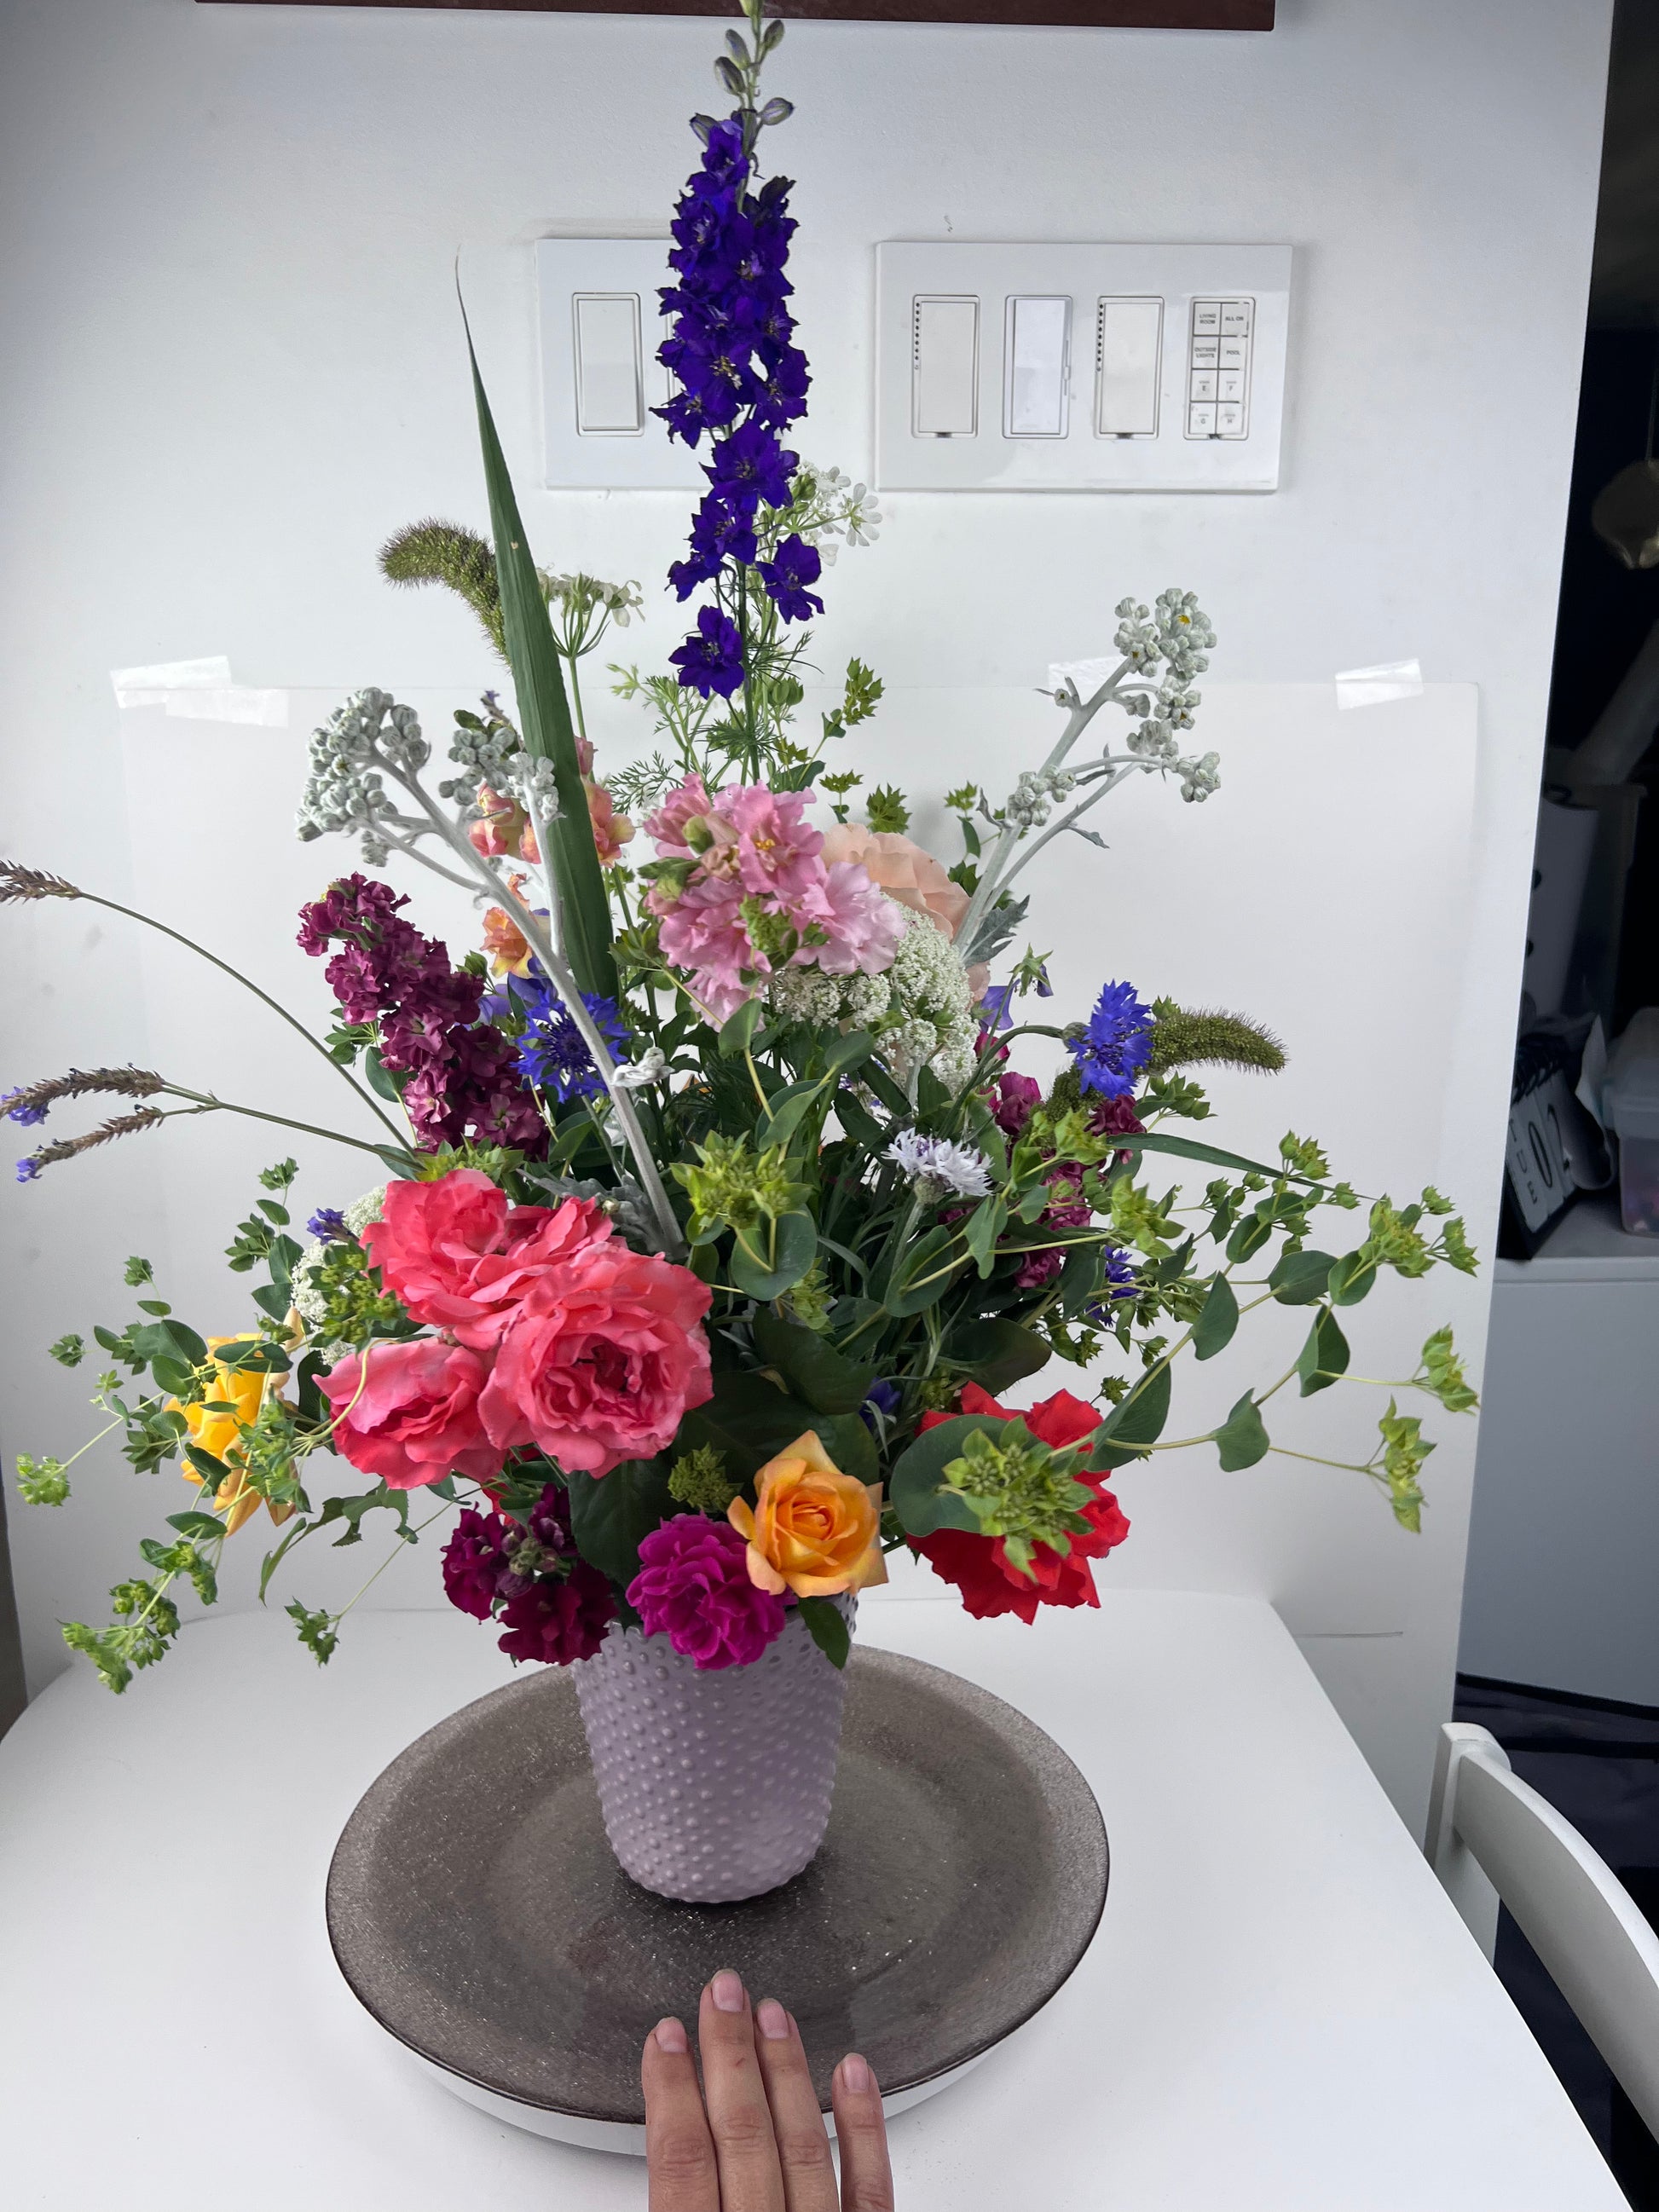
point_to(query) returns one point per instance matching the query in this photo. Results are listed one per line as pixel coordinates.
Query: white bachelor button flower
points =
(937, 1169)
(640, 1074)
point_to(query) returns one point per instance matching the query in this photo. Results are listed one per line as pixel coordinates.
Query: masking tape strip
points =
(1087, 675)
(1374, 687)
(200, 690)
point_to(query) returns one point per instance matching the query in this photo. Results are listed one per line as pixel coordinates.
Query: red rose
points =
(415, 1419)
(601, 1360)
(978, 1565)
(459, 1258)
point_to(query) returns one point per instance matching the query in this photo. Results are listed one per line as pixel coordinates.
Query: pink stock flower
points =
(601, 1360)
(694, 1587)
(702, 931)
(776, 850)
(459, 1258)
(556, 1621)
(863, 926)
(415, 1419)
(687, 802)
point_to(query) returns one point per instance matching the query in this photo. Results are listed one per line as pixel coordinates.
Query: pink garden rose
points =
(459, 1258)
(601, 1360)
(416, 1418)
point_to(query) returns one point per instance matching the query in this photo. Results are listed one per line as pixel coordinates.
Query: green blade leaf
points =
(1241, 1439)
(1324, 1356)
(1218, 1318)
(544, 718)
(826, 1627)
(825, 1378)
(846, 1052)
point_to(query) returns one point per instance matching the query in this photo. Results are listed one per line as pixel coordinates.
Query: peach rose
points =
(812, 1529)
(902, 870)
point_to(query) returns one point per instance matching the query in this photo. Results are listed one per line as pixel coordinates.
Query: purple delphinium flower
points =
(740, 380)
(27, 1115)
(27, 1170)
(329, 1224)
(460, 1070)
(553, 1052)
(797, 565)
(712, 660)
(881, 1398)
(996, 1009)
(693, 1587)
(1115, 1043)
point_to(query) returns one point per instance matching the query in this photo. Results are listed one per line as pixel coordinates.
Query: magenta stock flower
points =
(473, 1562)
(559, 1618)
(693, 1587)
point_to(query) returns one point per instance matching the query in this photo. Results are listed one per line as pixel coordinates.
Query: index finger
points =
(679, 2152)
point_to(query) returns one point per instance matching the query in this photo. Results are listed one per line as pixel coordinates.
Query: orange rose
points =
(812, 1529)
(901, 869)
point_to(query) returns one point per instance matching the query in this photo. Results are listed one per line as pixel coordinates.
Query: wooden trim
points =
(1123, 14)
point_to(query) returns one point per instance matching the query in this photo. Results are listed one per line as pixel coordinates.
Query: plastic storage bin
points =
(1630, 1099)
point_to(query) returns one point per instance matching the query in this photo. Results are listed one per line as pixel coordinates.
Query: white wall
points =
(231, 364)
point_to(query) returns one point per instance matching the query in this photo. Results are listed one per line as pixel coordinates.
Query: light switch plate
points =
(601, 324)
(1080, 368)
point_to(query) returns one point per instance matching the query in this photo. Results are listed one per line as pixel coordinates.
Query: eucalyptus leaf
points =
(998, 1352)
(921, 1272)
(1324, 1356)
(914, 1488)
(1137, 1422)
(748, 1419)
(1300, 1277)
(1241, 1439)
(794, 1244)
(1218, 1318)
(785, 1114)
(737, 1032)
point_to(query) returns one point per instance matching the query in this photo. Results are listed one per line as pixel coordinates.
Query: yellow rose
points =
(221, 1433)
(812, 1529)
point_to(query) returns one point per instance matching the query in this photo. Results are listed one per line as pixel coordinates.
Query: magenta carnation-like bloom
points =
(558, 1619)
(693, 1587)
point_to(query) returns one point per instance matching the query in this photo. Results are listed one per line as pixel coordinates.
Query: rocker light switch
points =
(1128, 355)
(1037, 348)
(944, 366)
(610, 385)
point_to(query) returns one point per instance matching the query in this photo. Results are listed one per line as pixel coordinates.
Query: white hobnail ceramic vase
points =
(714, 1784)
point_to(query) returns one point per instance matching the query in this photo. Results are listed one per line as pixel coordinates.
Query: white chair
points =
(1491, 1836)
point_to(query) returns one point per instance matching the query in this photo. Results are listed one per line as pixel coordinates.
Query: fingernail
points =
(726, 1990)
(670, 2036)
(772, 2020)
(855, 2075)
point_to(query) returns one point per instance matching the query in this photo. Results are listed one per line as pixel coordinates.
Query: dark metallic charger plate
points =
(476, 1911)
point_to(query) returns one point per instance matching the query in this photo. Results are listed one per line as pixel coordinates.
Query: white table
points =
(1280, 2010)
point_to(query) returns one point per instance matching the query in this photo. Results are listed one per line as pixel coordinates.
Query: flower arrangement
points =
(709, 1212)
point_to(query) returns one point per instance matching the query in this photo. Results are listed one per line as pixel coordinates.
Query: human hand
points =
(752, 2139)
